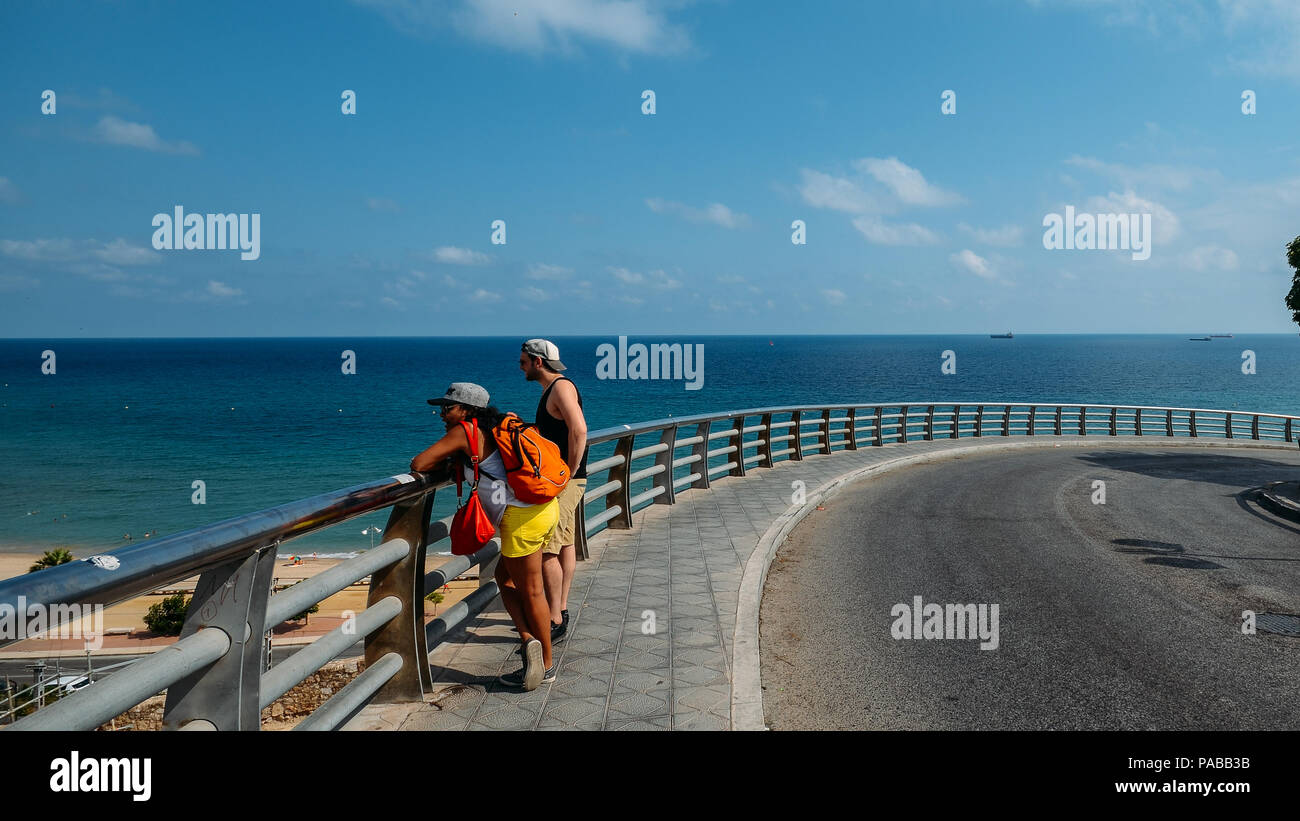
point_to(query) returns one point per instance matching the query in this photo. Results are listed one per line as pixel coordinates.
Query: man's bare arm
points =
(566, 400)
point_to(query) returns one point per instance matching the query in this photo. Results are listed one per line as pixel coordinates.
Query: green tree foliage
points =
(57, 556)
(1293, 298)
(167, 617)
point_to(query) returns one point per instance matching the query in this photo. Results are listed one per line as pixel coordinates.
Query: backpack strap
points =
(471, 433)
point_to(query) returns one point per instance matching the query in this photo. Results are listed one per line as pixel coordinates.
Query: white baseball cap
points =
(546, 350)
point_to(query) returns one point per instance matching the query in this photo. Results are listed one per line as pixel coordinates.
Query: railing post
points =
(701, 449)
(826, 431)
(765, 449)
(929, 423)
(1192, 424)
(1287, 429)
(1033, 418)
(852, 427)
(1114, 426)
(902, 424)
(1169, 422)
(1254, 426)
(1083, 420)
(956, 422)
(1137, 422)
(739, 441)
(797, 442)
(1006, 420)
(979, 420)
(225, 695)
(623, 496)
(1227, 425)
(1058, 419)
(404, 634)
(880, 434)
(665, 459)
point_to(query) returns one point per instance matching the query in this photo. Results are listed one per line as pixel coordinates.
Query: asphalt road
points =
(1123, 615)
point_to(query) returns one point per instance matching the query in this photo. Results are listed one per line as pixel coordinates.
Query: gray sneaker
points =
(534, 671)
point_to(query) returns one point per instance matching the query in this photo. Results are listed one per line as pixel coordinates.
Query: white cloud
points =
(833, 296)
(452, 255)
(480, 295)
(836, 193)
(883, 233)
(118, 252)
(548, 272)
(41, 250)
(1165, 225)
(657, 279)
(1005, 237)
(1210, 258)
(539, 26)
(383, 205)
(973, 263)
(905, 182)
(222, 291)
(730, 279)
(9, 192)
(716, 213)
(534, 294)
(116, 131)
(1168, 177)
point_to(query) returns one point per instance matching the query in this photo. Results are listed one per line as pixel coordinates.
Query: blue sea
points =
(110, 443)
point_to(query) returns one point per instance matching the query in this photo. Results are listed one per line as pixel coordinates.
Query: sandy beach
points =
(129, 615)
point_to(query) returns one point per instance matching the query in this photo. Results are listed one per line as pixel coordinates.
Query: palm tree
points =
(59, 555)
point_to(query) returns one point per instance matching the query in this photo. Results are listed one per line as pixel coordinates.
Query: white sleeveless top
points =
(492, 483)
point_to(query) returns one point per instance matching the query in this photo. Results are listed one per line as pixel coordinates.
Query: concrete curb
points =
(1280, 505)
(747, 685)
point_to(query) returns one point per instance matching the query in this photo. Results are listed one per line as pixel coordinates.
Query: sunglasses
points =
(442, 411)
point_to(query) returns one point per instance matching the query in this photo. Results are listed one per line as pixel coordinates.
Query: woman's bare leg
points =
(526, 573)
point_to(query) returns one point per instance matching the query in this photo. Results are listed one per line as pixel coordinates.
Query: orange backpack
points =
(534, 469)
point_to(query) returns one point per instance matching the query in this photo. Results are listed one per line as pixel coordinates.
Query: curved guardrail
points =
(213, 675)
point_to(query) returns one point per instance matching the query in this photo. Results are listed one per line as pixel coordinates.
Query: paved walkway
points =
(655, 610)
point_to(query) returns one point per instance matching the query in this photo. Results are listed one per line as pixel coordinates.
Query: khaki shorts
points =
(568, 499)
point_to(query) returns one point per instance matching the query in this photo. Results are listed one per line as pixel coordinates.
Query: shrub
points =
(167, 617)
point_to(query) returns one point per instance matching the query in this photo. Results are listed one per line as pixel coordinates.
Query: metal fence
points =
(214, 676)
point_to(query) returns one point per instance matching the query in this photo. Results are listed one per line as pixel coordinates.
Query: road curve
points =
(1122, 615)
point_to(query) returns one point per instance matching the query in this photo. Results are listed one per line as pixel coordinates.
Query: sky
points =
(618, 221)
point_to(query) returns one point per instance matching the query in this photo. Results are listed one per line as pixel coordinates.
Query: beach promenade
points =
(665, 617)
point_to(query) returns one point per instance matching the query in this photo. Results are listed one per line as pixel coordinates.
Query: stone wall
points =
(284, 712)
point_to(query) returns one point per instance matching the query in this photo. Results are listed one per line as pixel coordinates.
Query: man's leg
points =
(568, 561)
(554, 579)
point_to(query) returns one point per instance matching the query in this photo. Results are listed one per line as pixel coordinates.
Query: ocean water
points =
(110, 443)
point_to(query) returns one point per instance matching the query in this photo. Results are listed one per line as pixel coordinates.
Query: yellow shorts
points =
(526, 530)
(568, 500)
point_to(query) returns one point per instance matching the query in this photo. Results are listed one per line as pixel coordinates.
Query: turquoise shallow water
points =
(111, 442)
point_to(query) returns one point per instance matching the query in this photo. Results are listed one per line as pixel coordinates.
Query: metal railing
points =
(214, 676)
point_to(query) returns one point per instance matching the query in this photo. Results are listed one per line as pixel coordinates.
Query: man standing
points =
(560, 419)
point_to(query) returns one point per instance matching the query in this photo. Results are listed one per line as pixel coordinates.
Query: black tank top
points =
(556, 429)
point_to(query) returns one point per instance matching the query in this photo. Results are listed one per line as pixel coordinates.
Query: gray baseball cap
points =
(463, 393)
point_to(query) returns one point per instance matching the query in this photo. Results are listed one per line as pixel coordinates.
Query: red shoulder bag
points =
(470, 527)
